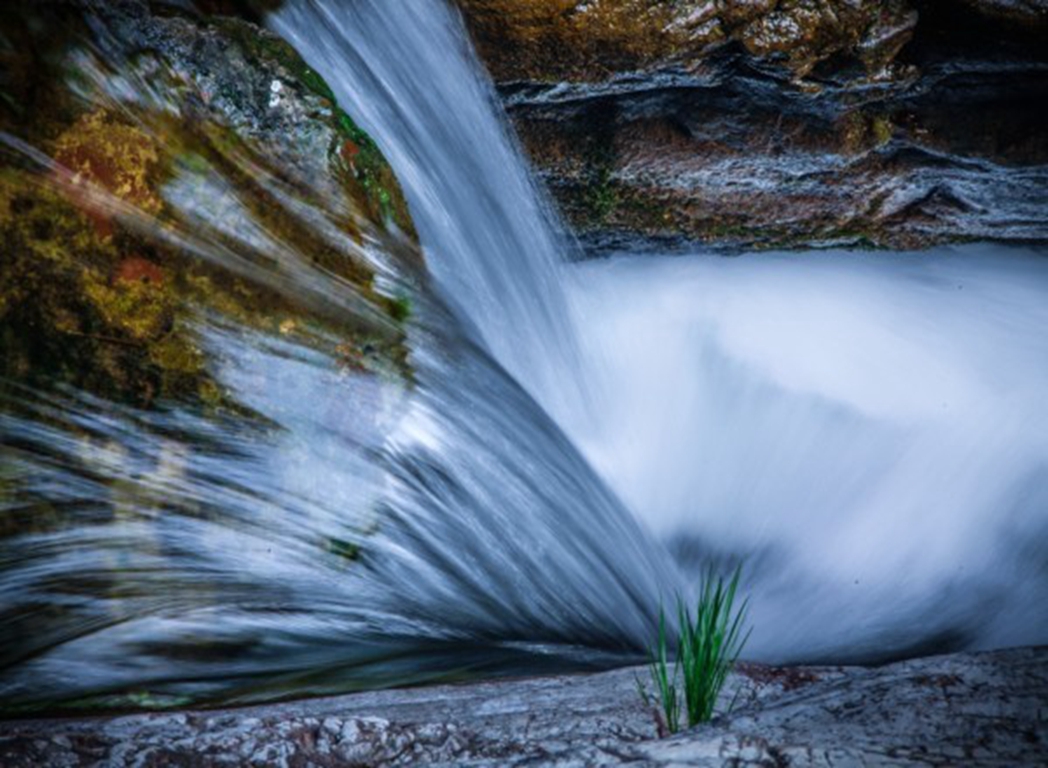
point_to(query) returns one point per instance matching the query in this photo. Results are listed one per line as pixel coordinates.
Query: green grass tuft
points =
(708, 645)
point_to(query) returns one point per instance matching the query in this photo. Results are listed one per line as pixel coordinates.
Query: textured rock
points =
(569, 39)
(780, 123)
(734, 156)
(158, 130)
(970, 709)
(1032, 13)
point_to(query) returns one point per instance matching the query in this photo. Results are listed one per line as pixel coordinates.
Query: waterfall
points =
(744, 415)
(577, 442)
(491, 238)
(354, 529)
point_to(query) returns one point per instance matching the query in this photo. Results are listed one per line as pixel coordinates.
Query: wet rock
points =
(735, 157)
(788, 123)
(1032, 13)
(975, 709)
(171, 187)
(136, 141)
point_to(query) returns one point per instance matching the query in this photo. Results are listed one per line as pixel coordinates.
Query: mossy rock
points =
(93, 290)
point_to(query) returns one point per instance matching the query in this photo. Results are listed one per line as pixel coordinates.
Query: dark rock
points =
(788, 123)
(735, 156)
(1032, 13)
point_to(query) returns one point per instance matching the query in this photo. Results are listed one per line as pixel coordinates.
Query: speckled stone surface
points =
(962, 709)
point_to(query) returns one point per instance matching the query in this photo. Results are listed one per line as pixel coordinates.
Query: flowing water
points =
(867, 432)
(868, 429)
(491, 237)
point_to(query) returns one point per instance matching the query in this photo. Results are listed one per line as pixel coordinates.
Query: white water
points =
(406, 72)
(872, 430)
(868, 431)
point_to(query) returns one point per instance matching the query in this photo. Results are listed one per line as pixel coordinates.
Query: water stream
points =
(866, 432)
(829, 417)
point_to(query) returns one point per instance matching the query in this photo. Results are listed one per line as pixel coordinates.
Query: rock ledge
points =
(963, 709)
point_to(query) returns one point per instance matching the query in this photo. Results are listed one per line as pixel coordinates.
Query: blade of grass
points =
(708, 646)
(665, 682)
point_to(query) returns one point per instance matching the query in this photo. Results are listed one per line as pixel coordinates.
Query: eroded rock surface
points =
(1026, 12)
(964, 709)
(735, 156)
(584, 41)
(780, 124)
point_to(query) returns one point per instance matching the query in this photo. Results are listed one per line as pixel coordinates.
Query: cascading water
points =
(866, 431)
(869, 430)
(824, 397)
(491, 237)
(349, 530)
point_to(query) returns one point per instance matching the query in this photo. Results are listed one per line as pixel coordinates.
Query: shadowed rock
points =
(805, 124)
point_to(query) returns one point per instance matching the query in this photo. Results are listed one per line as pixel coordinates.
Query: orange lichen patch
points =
(119, 158)
(135, 269)
(349, 150)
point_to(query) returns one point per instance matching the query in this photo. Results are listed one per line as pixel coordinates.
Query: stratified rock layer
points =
(586, 40)
(780, 124)
(967, 709)
(735, 156)
(1032, 13)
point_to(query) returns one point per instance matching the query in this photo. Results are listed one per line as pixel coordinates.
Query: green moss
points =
(344, 549)
(358, 159)
(399, 308)
(602, 197)
(263, 47)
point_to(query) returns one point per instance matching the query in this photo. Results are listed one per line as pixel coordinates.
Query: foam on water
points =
(871, 430)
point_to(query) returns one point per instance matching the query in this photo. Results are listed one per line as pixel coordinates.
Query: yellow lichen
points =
(175, 353)
(120, 158)
(142, 311)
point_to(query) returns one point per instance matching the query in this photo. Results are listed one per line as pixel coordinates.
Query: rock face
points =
(965, 709)
(573, 40)
(138, 147)
(736, 157)
(1026, 12)
(805, 124)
